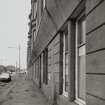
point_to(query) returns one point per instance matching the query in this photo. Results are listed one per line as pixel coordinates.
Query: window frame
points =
(77, 54)
(65, 93)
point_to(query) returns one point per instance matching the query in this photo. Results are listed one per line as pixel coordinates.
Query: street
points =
(21, 92)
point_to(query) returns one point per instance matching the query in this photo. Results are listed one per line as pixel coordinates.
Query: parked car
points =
(5, 77)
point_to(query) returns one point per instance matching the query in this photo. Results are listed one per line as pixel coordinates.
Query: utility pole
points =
(19, 58)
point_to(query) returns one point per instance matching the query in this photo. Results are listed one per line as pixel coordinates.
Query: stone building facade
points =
(66, 50)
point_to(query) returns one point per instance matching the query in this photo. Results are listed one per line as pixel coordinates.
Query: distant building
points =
(66, 50)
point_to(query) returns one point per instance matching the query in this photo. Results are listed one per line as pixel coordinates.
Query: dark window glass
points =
(45, 66)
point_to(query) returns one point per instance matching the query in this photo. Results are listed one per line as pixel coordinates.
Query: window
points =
(80, 60)
(35, 9)
(65, 64)
(34, 36)
(37, 70)
(42, 68)
(45, 66)
(44, 3)
(34, 70)
(40, 71)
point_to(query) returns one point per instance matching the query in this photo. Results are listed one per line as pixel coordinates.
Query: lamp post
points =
(19, 48)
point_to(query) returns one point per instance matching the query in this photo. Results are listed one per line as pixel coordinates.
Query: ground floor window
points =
(45, 66)
(65, 63)
(80, 60)
(42, 68)
(37, 69)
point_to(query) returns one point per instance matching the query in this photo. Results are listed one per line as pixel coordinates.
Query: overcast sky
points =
(13, 30)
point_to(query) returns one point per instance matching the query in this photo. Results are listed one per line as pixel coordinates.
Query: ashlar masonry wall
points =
(53, 68)
(95, 67)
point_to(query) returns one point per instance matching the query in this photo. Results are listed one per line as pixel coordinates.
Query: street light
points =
(19, 48)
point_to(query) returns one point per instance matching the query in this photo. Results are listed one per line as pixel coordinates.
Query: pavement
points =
(23, 92)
